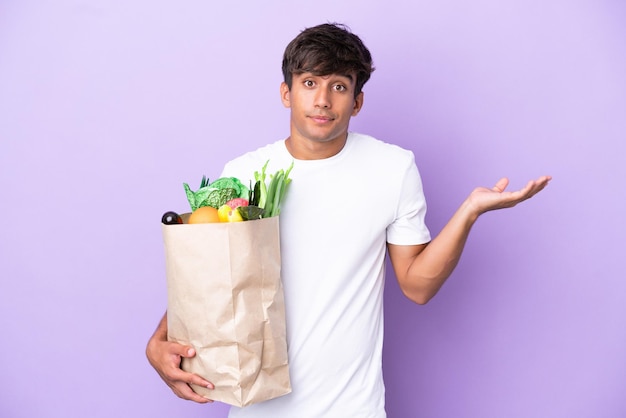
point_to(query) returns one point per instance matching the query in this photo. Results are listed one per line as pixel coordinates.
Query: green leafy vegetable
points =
(219, 197)
(264, 199)
(231, 183)
(250, 212)
(273, 195)
(215, 194)
(196, 198)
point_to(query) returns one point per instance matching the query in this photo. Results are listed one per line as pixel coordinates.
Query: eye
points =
(339, 87)
(309, 83)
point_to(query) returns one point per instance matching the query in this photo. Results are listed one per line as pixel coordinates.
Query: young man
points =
(353, 200)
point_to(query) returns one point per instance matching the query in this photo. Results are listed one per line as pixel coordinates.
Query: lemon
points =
(227, 214)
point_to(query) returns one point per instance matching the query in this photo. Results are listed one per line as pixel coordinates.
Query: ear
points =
(358, 104)
(284, 94)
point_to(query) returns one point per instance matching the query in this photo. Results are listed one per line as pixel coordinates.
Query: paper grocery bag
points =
(225, 298)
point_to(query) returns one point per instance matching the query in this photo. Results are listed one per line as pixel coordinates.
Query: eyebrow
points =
(348, 76)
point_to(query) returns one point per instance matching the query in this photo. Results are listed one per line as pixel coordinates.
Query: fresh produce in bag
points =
(225, 294)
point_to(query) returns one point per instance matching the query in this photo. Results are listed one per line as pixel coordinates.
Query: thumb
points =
(188, 351)
(182, 350)
(501, 185)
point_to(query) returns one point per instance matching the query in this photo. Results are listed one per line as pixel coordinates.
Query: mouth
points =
(321, 118)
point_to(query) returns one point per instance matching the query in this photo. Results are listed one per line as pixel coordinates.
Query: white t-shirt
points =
(338, 215)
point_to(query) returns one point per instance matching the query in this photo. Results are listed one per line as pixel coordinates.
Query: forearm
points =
(159, 336)
(161, 330)
(429, 270)
(422, 269)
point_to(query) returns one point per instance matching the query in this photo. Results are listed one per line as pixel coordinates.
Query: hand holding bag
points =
(225, 298)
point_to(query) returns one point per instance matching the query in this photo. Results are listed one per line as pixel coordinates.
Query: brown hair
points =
(329, 48)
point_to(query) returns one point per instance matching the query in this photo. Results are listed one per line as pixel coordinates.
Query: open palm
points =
(484, 199)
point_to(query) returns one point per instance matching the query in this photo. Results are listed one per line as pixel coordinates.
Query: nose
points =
(322, 99)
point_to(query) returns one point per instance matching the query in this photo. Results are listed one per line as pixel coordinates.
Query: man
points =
(353, 200)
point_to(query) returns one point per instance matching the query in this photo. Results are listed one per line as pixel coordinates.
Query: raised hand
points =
(422, 269)
(483, 199)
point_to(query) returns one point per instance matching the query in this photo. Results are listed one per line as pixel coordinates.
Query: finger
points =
(184, 391)
(540, 183)
(189, 379)
(190, 352)
(200, 381)
(501, 185)
(181, 350)
(176, 374)
(532, 188)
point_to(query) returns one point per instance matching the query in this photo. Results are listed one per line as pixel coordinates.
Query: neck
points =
(312, 150)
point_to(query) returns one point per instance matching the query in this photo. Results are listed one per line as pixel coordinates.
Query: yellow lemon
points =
(227, 214)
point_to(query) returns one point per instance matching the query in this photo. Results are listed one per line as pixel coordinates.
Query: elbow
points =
(420, 284)
(421, 291)
(418, 297)
(422, 301)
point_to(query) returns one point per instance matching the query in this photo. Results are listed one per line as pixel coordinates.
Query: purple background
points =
(106, 107)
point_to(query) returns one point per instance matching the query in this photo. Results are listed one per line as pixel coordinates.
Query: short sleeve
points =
(409, 227)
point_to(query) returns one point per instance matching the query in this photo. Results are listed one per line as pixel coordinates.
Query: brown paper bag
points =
(225, 298)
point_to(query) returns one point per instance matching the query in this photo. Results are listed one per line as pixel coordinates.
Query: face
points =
(321, 108)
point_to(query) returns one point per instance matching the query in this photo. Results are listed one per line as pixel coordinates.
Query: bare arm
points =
(422, 269)
(165, 356)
